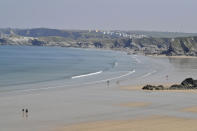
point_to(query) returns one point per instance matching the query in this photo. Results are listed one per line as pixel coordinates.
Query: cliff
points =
(113, 40)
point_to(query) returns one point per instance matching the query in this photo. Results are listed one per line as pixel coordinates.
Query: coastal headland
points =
(134, 42)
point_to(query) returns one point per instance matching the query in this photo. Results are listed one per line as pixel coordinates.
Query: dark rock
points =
(189, 83)
(98, 45)
(195, 83)
(36, 42)
(2, 41)
(148, 87)
(151, 87)
(176, 87)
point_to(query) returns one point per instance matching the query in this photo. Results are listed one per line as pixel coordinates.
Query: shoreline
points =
(165, 56)
(121, 50)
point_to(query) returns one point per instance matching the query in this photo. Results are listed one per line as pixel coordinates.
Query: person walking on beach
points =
(108, 83)
(23, 112)
(167, 77)
(26, 112)
(117, 82)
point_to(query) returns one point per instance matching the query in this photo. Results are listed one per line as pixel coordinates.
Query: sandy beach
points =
(154, 123)
(98, 65)
(157, 110)
(96, 106)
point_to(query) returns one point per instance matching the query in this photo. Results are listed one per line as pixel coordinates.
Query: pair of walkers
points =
(25, 112)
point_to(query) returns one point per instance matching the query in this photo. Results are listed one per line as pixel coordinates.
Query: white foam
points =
(114, 78)
(87, 83)
(148, 74)
(136, 59)
(86, 75)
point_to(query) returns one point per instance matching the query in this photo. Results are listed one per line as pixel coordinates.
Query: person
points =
(108, 83)
(166, 77)
(26, 112)
(23, 112)
(117, 82)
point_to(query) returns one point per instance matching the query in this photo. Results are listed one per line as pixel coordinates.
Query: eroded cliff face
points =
(161, 46)
(183, 46)
(167, 46)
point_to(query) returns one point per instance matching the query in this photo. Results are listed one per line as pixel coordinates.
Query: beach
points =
(153, 123)
(94, 105)
(98, 65)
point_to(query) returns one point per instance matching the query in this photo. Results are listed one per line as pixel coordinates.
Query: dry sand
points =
(154, 123)
(190, 109)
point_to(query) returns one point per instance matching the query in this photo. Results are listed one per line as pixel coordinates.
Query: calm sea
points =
(23, 65)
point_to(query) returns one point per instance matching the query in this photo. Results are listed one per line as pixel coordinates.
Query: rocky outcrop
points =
(151, 87)
(36, 42)
(176, 87)
(188, 83)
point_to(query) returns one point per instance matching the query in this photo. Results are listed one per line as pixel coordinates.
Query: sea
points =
(32, 68)
(22, 66)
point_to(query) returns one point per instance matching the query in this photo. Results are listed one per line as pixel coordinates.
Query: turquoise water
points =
(21, 65)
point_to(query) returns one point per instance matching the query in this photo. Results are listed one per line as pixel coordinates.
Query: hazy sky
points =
(158, 15)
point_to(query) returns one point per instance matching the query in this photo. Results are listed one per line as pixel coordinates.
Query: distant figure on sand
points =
(23, 112)
(108, 83)
(26, 113)
(117, 82)
(166, 77)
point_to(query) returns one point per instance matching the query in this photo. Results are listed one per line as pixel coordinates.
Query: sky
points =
(150, 15)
